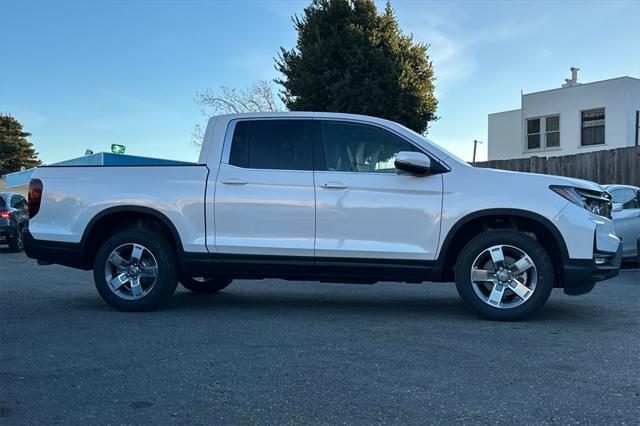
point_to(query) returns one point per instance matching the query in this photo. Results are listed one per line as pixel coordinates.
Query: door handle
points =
(234, 181)
(334, 185)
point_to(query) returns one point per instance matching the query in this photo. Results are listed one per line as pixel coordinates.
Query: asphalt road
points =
(276, 352)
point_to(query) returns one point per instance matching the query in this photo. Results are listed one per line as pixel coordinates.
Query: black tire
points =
(166, 279)
(539, 256)
(16, 243)
(205, 285)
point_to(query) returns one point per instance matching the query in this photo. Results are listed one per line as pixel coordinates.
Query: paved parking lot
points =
(307, 353)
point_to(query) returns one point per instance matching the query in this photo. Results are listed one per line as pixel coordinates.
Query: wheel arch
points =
(122, 217)
(502, 218)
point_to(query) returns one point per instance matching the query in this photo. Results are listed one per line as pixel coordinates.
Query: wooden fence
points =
(620, 165)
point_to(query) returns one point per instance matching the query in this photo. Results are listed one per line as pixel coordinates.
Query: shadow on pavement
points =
(261, 304)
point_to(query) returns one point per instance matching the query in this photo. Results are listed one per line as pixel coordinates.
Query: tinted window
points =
(2, 203)
(533, 133)
(272, 144)
(627, 197)
(552, 124)
(350, 147)
(593, 122)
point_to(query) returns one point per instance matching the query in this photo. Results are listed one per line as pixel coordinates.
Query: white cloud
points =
(450, 59)
(453, 44)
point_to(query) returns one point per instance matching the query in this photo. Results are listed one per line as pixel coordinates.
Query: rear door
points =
(19, 211)
(365, 208)
(264, 192)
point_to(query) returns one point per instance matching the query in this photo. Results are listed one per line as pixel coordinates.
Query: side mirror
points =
(616, 207)
(412, 162)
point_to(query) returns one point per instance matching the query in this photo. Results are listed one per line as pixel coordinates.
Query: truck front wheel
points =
(205, 285)
(135, 270)
(504, 275)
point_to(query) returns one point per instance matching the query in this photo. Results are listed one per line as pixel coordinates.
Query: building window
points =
(552, 131)
(533, 133)
(539, 137)
(593, 127)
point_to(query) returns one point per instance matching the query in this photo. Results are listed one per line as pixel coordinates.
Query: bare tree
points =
(257, 97)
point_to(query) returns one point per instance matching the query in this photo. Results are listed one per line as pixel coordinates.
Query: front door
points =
(264, 193)
(365, 208)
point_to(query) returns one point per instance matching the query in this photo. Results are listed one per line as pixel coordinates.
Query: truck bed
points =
(75, 194)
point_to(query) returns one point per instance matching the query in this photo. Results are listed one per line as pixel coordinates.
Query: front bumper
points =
(581, 275)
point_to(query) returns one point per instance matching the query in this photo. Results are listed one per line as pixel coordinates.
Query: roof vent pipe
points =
(573, 81)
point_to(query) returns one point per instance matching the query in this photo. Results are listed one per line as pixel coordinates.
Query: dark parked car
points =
(626, 217)
(14, 217)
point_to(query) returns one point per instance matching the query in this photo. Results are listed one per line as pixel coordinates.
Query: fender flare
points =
(546, 223)
(135, 209)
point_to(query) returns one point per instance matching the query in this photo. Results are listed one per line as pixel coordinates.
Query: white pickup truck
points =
(326, 197)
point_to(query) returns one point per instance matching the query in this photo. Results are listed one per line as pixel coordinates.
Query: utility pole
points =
(475, 145)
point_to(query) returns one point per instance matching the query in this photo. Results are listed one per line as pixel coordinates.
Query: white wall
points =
(505, 135)
(619, 97)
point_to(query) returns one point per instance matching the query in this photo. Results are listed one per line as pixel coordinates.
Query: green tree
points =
(15, 150)
(349, 58)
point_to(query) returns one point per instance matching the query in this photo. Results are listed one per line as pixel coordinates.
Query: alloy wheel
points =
(504, 276)
(19, 240)
(131, 271)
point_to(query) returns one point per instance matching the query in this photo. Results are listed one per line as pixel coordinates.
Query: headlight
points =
(596, 202)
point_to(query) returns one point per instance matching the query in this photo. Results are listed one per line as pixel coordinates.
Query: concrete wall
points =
(505, 130)
(619, 97)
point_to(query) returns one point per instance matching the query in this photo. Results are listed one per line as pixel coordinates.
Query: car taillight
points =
(5, 214)
(35, 196)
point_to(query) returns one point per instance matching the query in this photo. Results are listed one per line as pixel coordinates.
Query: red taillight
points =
(35, 196)
(5, 214)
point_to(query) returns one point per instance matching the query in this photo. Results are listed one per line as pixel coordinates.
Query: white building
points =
(572, 119)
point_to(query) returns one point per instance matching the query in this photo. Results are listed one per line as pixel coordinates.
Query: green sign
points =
(118, 149)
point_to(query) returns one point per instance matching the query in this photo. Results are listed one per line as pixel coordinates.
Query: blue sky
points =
(85, 74)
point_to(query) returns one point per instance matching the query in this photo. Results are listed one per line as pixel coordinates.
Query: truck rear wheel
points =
(136, 270)
(205, 285)
(504, 275)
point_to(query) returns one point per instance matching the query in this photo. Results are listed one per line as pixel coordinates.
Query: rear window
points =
(20, 203)
(272, 144)
(3, 205)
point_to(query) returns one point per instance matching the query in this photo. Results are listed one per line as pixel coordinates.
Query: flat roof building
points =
(575, 118)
